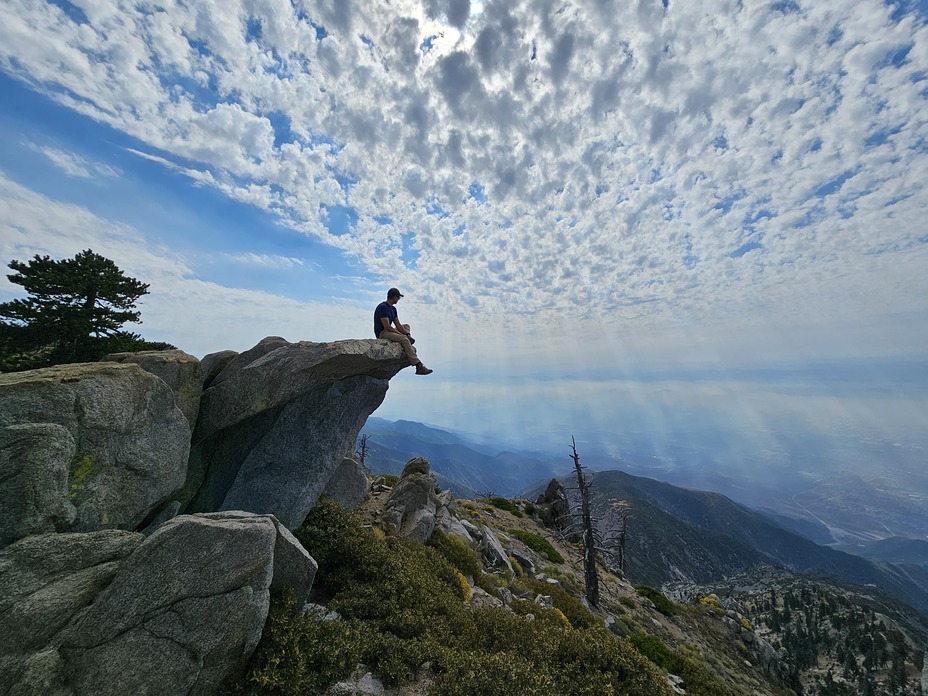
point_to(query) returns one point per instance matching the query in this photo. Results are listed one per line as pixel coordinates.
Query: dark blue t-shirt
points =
(384, 309)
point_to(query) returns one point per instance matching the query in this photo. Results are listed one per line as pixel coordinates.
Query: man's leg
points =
(403, 341)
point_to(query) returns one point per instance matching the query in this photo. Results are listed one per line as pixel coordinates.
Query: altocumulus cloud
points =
(644, 161)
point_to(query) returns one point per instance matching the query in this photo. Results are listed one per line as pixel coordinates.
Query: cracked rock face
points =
(179, 370)
(187, 608)
(34, 460)
(276, 423)
(45, 580)
(130, 442)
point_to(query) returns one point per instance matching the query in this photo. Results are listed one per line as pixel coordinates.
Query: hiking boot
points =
(422, 370)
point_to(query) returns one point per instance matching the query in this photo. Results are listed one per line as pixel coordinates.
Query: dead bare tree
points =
(362, 449)
(621, 510)
(590, 574)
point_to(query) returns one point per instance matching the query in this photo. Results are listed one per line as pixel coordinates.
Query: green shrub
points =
(697, 676)
(538, 543)
(530, 509)
(661, 603)
(302, 652)
(505, 504)
(653, 649)
(456, 551)
(700, 679)
(571, 584)
(625, 626)
(578, 615)
(487, 582)
(395, 584)
(466, 591)
(544, 657)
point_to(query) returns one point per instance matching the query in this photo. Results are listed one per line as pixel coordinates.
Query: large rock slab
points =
(185, 611)
(131, 442)
(279, 419)
(179, 370)
(46, 579)
(111, 612)
(348, 485)
(34, 459)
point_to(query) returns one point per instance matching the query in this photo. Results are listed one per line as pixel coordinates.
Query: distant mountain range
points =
(675, 534)
(466, 467)
(682, 535)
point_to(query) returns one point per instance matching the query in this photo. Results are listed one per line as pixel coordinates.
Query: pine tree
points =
(74, 312)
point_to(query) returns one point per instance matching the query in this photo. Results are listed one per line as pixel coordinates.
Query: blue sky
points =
(600, 213)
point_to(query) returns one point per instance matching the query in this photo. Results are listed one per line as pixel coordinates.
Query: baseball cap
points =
(393, 291)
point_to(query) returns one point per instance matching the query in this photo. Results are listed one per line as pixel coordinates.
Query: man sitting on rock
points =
(387, 326)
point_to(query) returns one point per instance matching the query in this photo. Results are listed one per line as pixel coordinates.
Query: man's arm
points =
(399, 326)
(385, 321)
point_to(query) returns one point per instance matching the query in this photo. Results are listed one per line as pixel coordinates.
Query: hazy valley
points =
(849, 510)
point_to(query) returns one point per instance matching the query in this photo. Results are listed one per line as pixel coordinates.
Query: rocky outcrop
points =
(129, 450)
(348, 485)
(92, 453)
(414, 510)
(523, 557)
(108, 445)
(555, 508)
(109, 613)
(179, 370)
(491, 550)
(416, 466)
(278, 420)
(446, 522)
(411, 507)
